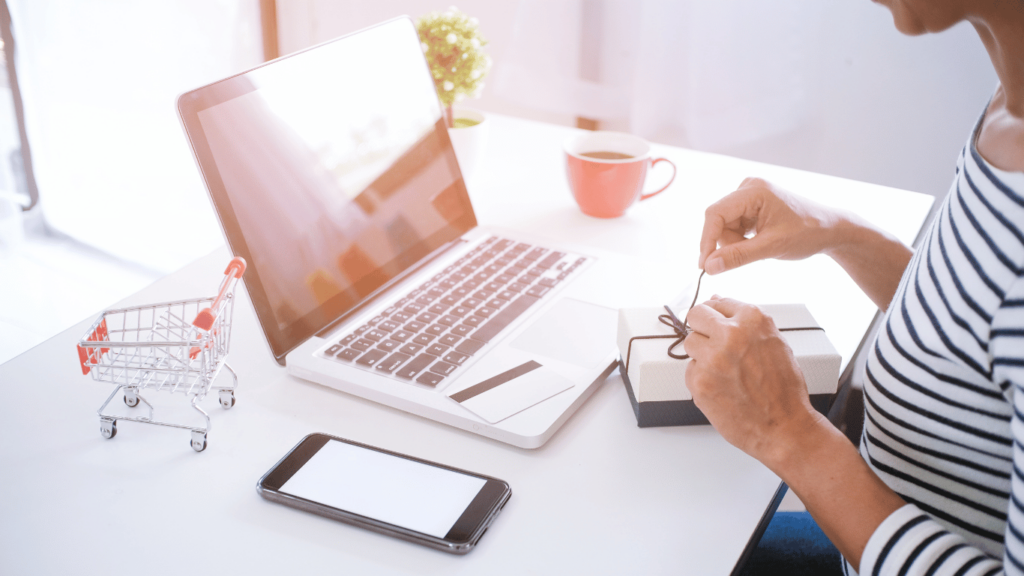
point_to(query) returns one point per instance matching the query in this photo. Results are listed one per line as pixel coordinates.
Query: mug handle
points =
(670, 180)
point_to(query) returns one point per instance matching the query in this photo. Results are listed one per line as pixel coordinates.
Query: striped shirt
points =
(944, 404)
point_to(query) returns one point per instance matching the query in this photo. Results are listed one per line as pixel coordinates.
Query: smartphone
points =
(410, 498)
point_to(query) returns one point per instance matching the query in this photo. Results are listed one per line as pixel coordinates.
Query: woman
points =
(938, 486)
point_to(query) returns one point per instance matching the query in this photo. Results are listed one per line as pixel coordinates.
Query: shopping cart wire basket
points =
(173, 347)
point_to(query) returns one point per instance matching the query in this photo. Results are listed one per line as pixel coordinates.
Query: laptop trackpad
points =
(572, 331)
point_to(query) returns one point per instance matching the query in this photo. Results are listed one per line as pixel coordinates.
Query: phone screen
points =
(388, 488)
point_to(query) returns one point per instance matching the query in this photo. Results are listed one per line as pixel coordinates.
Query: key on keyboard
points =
(429, 334)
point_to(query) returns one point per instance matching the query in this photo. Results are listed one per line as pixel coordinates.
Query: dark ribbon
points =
(682, 330)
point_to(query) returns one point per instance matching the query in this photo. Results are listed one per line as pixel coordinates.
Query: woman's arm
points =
(788, 227)
(745, 379)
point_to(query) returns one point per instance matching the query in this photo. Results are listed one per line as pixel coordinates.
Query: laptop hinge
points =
(373, 296)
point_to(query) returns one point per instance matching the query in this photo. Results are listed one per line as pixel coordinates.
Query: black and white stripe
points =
(944, 422)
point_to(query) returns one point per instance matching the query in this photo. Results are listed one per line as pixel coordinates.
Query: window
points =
(17, 180)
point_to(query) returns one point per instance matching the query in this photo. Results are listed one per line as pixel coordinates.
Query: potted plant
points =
(453, 47)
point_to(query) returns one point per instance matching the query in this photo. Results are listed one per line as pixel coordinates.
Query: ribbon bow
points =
(670, 320)
(681, 328)
(682, 331)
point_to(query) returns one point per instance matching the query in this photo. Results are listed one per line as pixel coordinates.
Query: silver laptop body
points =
(332, 174)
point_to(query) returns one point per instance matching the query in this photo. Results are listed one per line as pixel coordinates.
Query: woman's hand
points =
(743, 376)
(745, 379)
(789, 227)
(785, 226)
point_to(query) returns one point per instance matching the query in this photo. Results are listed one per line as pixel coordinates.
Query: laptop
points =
(332, 174)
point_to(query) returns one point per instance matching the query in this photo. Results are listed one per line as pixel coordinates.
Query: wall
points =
(303, 23)
(883, 108)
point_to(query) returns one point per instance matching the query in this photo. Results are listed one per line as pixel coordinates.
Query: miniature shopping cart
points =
(174, 347)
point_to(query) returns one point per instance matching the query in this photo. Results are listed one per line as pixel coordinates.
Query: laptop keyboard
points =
(436, 328)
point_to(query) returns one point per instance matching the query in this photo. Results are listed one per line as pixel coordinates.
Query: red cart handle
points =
(204, 320)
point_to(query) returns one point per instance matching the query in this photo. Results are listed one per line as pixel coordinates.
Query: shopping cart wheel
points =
(108, 428)
(198, 441)
(227, 398)
(131, 398)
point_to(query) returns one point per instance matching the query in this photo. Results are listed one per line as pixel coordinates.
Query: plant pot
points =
(469, 141)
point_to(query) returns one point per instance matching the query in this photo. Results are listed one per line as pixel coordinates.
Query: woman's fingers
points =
(783, 226)
(742, 375)
(727, 307)
(727, 216)
(705, 320)
(697, 346)
(724, 244)
(741, 252)
(730, 237)
(712, 317)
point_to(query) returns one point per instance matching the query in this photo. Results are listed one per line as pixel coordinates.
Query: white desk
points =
(602, 497)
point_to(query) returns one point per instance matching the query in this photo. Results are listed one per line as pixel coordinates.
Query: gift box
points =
(656, 381)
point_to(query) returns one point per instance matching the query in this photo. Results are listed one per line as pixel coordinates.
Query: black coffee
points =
(607, 155)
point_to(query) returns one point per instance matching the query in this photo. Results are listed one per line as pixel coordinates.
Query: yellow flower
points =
(452, 45)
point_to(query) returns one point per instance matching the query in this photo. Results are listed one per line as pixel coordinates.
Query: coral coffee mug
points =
(607, 171)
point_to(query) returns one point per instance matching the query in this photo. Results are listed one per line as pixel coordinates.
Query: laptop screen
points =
(331, 172)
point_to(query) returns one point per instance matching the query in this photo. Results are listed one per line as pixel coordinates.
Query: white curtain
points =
(703, 74)
(828, 87)
(99, 81)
